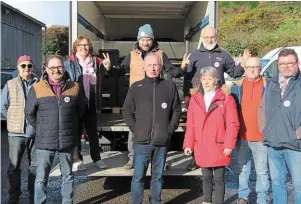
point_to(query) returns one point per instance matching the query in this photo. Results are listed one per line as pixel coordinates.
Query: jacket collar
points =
(152, 80)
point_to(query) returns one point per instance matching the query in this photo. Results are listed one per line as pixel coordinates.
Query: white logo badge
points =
(142, 34)
(216, 64)
(67, 99)
(287, 103)
(164, 105)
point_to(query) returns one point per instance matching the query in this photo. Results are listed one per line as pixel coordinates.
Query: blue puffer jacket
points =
(283, 115)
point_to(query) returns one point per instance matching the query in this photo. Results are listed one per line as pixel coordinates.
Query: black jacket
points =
(75, 72)
(55, 120)
(152, 110)
(217, 58)
(168, 68)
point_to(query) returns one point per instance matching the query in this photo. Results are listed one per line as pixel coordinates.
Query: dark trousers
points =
(143, 154)
(17, 147)
(218, 173)
(89, 120)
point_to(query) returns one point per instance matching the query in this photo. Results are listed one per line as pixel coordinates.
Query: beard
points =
(209, 46)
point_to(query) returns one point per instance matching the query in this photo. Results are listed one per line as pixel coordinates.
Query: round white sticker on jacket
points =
(164, 105)
(67, 99)
(216, 64)
(287, 103)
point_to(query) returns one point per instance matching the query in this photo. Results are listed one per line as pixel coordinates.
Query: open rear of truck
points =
(114, 26)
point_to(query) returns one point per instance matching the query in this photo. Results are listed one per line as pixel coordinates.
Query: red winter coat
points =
(209, 133)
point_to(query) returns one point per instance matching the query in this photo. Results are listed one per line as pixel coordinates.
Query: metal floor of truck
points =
(115, 160)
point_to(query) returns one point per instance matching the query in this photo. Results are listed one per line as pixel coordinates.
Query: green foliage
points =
(57, 41)
(258, 26)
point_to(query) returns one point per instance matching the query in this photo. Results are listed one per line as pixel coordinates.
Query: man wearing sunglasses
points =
(20, 132)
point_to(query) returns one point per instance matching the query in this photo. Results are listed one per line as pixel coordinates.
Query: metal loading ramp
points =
(116, 160)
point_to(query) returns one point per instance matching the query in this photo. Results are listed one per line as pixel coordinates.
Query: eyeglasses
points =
(26, 65)
(290, 64)
(83, 45)
(253, 67)
(60, 68)
(210, 37)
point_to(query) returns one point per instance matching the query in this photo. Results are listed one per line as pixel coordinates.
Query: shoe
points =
(101, 165)
(129, 165)
(242, 201)
(192, 165)
(79, 166)
(206, 202)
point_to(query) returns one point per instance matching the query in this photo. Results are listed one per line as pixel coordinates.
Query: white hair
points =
(210, 71)
(150, 54)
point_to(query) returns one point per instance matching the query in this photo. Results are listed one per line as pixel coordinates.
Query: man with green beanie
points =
(134, 64)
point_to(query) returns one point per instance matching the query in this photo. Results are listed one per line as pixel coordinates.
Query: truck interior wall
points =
(163, 28)
(195, 15)
(172, 50)
(92, 14)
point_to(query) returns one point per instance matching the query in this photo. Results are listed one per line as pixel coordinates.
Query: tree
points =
(57, 41)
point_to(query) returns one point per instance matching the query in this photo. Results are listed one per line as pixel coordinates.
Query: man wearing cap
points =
(20, 132)
(133, 63)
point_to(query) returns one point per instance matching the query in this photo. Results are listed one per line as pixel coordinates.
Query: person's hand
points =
(227, 151)
(246, 55)
(186, 101)
(187, 151)
(186, 61)
(106, 62)
(193, 91)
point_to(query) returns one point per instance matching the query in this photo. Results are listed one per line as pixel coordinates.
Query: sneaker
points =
(242, 201)
(192, 165)
(206, 202)
(129, 165)
(79, 166)
(100, 164)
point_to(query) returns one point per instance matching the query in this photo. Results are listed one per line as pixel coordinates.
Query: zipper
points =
(59, 104)
(154, 106)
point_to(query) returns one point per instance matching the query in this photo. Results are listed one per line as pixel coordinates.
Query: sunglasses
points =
(26, 65)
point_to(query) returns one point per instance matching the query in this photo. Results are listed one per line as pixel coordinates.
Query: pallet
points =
(115, 110)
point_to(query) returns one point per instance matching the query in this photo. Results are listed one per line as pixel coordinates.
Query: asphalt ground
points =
(116, 190)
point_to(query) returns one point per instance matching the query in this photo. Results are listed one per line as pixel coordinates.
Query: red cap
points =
(24, 58)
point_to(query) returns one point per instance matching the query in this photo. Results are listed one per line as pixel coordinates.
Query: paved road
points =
(177, 190)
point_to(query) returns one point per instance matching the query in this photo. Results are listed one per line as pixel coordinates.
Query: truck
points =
(114, 26)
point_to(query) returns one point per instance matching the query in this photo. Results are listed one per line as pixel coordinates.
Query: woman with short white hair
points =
(212, 128)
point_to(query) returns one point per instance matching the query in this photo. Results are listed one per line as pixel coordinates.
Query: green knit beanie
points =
(145, 31)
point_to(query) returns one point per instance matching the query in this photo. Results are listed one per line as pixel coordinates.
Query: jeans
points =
(130, 145)
(143, 154)
(246, 150)
(44, 162)
(17, 147)
(280, 162)
(219, 174)
(90, 121)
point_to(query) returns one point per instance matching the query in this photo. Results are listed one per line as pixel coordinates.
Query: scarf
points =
(89, 75)
(208, 96)
(57, 87)
(283, 84)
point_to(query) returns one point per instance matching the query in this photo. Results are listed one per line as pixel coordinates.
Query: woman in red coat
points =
(212, 128)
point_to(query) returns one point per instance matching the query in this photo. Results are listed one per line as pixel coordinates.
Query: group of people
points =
(260, 119)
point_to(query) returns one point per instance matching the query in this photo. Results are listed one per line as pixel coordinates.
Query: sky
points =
(48, 12)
